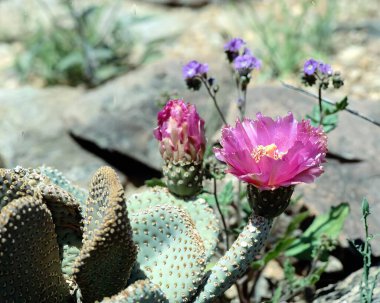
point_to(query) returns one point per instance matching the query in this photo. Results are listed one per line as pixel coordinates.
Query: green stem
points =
(367, 264)
(213, 97)
(244, 91)
(221, 214)
(320, 104)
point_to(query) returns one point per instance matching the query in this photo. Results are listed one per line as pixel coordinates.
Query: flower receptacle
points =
(183, 179)
(269, 203)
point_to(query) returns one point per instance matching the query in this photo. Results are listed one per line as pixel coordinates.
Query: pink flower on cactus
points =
(271, 153)
(181, 132)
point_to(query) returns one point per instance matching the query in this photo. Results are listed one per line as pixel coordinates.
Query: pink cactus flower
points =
(181, 132)
(271, 153)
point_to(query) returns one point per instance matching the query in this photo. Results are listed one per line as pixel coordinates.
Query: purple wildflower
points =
(246, 63)
(234, 45)
(232, 48)
(325, 69)
(194, 69)
(310, 67)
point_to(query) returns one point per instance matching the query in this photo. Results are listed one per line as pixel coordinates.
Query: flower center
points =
(270, 151)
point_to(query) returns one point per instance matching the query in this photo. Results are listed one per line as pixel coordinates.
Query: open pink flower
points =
(181, 132)
(271, 153)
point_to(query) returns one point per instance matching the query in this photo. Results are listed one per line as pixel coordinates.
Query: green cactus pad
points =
(67, 219)
(237, 259)
(142, 291)
(183, 178)
(171, 251)
(30, 269)
(108, 252)
(56, 177)
(202, 215)
(13, 185)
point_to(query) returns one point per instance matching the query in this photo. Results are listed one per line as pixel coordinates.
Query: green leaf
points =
(330, 224)
(296, 221)
(72, 59)
(342, 105)
(280, 247)
(155, 182)
(227, 195)
(277, 294)
(330, 119)
(365, 208)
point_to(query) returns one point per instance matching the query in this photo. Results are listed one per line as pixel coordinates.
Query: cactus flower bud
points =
(182, 142)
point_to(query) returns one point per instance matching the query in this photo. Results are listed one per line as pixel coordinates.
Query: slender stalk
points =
(366, 252)
(320, 104)
(242, 298)
(244, 103)
(213, 97)
(351, 111)
(221, 214)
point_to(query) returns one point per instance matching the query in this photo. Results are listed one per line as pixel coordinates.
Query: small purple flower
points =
(232, 48)
(246, 63)
(234, 45)
(194, 69)
(310, 67)
(325, 69)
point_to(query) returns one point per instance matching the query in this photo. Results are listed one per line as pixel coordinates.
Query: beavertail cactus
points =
(199, 211)
(49, 247)
(87, 252)
(108, 249)
(172, 254)
(142, 291)
(181, 135)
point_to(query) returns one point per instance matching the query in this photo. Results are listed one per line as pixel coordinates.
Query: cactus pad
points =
(237, 259)
(30, 269)
(56, 177)
(202, 215)
(142, 291)
(108, 252)
(13, 185)
(67, 219)
(171, 251)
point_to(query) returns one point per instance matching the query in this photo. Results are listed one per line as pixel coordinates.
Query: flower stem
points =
(320, 104)
(213, 97)
(244, 103)
(221, 214)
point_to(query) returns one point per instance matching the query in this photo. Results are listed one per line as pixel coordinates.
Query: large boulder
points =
(121, 114)
(32, 132)
(348, 290)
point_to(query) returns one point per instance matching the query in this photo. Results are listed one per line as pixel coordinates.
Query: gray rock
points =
(343, 180)
(32, 132)
(121, 115)
(348, 290)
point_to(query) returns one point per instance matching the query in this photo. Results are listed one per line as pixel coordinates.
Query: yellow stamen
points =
(270, 151)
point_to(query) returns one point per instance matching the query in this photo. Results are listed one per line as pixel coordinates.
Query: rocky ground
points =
(77, 130)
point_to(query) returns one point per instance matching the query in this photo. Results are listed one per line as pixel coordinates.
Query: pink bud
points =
(181, 132)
